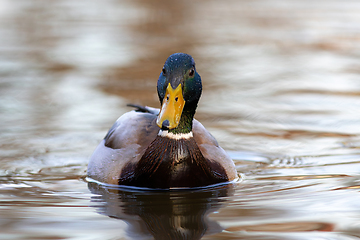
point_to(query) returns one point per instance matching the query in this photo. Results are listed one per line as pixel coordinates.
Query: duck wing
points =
(211, 150)
(125, 142)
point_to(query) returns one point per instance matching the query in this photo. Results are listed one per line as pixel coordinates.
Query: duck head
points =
(179, 89)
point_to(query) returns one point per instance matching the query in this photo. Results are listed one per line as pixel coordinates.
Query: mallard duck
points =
(164, 148)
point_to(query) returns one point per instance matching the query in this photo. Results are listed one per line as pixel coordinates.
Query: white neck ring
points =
(178, 136)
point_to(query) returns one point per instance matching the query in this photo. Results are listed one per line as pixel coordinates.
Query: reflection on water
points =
(164, 214)
(281, 94)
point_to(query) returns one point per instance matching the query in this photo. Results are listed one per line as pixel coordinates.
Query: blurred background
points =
(281, 94)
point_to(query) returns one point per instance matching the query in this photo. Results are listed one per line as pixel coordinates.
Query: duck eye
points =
(164, 71)
(191, 72)
(167, 98)
(176, 99)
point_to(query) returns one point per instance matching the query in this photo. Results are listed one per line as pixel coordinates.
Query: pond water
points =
(281, 95)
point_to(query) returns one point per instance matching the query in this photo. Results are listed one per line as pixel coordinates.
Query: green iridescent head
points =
(179, 89)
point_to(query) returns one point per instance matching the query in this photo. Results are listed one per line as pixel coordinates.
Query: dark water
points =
(281, 95)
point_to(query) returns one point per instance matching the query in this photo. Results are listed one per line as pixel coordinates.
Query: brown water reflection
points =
(164, 28)
(281, 95)
(163, 215)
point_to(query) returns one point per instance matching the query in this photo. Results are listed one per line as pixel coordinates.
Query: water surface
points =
(281, 95)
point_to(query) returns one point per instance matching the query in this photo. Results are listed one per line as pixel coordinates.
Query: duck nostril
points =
(165, 125)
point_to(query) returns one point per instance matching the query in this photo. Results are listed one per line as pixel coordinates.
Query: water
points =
(281, 95)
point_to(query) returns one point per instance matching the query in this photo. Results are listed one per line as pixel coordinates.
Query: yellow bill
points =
(172, 107)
